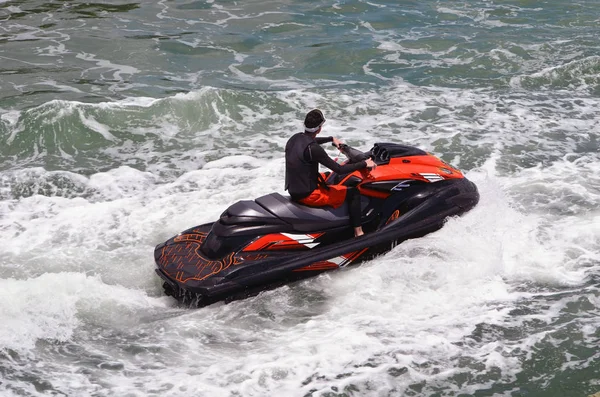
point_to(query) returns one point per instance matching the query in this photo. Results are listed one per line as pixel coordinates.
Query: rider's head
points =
(313, 121)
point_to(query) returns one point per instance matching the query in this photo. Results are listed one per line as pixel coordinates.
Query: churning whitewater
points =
(123, 124)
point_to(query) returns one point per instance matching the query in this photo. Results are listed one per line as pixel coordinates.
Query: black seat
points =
(272, 213)
(275, 213)
(301, 217)
(248, 212)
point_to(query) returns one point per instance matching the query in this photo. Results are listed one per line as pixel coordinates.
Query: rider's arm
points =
(322, 140)
(317, 153)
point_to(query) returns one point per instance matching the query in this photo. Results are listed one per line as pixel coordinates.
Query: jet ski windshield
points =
(381, 153)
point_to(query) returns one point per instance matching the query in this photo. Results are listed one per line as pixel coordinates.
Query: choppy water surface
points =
(123, 123)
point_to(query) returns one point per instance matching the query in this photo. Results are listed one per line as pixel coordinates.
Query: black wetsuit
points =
(302, 158)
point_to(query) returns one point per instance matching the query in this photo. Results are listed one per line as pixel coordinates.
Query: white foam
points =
(233, 162)
(13, 9)
(11, 117)
(578, 75)
(63, 87)
(29, 316)
(94, 125)
(411, 306)
(414, 312)
(58, 48)
(117, 69)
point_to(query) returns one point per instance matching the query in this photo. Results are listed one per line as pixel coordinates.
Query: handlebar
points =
(353, 155)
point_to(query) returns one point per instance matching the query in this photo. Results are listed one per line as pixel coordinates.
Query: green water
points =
(123, 123)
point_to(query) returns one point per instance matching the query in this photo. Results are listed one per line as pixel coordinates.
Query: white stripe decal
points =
(338, 260)
(432, 177)
(304, 239)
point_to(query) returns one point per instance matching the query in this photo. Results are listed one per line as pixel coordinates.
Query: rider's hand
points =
(337, 142)
(370, 163)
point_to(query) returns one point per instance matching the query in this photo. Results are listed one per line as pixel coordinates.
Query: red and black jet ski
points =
(267, 242)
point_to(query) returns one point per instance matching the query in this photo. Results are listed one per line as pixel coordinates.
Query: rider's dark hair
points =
(314, 119)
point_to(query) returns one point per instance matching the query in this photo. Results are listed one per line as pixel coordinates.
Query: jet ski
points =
(267, 242)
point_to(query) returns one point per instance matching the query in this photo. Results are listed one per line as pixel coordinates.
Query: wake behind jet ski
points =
(270, 241)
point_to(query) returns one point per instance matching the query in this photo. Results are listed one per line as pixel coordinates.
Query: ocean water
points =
(123, 123)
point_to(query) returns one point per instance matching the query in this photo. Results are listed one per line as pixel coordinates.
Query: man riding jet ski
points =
(391, 193)
(303, 180)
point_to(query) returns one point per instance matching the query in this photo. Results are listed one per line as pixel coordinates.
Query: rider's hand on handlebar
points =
(337, 142)
(370, 163)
